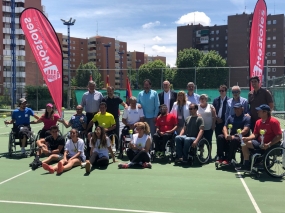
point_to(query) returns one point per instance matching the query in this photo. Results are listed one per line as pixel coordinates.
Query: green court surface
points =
(164, 188)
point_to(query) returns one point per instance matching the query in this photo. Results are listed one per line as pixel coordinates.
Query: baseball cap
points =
(237, 105)
(263, 107)
(22, 100)
(49, 105)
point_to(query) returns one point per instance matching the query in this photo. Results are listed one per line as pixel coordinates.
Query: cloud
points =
(195, 18)
(151, 24)
(157, 39)
(161, 49)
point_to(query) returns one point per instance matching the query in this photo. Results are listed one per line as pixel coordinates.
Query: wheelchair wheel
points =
(203, 149)
(11, 144)
(32, 143)
(273, 162)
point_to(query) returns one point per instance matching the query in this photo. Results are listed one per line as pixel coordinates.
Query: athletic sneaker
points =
(36, 164)
(35, 160)
(225, 162)
(243, 168)
(146, 165)
(87, 167)
(123, 166)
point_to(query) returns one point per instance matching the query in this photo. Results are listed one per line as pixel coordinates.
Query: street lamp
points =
(137, 68)
(121, 53)
(107, 55)
(68, 23)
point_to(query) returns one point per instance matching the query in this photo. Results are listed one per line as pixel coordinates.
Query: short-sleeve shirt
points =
(54, 143)
(22, 117)
(238, 122)
(91, 101)
(166, 123)
(194, 98)
(255, 99)
(133, 115)
(49, 122)
(74, 148)
(193, 125)
(271, 127)
(107, 120)
(102, 151)
(113, 105)
(75, 121)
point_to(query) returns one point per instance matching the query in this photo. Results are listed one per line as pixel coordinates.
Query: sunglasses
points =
(221, 90)
(235, 92)
(191, 108)
(79, 109)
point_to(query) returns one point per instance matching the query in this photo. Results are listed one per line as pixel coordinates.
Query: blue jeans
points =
(150, 122)
(183, 144)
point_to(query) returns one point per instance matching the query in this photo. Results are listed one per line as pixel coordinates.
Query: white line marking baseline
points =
(249, 194)
(5, 181)
(79, 207)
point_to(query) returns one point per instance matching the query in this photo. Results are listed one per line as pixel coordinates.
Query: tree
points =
(83, 74)
(156, 71)
(187, 58)
(211, 77)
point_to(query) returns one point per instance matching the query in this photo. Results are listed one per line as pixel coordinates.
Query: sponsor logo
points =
(52, 73)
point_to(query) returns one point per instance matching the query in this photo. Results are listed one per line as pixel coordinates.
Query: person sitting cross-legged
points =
(51, 146)
(190, 135)
(272, 136)
(228, 143)
(100, 148)
(166, 124)
(73, 154)
(138, 152)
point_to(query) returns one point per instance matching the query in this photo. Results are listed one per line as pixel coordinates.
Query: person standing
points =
(90, 101)
(257, 97)
(220, 104)
(191, 96)
(149, 101)
(167, 96)
(113, 103)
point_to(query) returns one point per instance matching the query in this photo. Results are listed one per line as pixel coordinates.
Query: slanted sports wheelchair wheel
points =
(203, 151)
(10, 144)
(32, 142)
(273, 162)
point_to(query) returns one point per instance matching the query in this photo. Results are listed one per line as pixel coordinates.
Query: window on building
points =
(226, 45)
(217, 31)
(73, 42)
(268, 54)
(274, 45)
(268, 69)
(217, 38)
(212, 32)
(217, 45)
(274, 38)
(82, 42)
(274, 22)
(274, 29)
(212, 39)
(273, 69)
(81, 55)
(268, 30)
(226, 37)
(212, 46)
(268, 61)
(226, 52)
(269, 22)
(268, 46)
(268, 38)
(273, 61)
(273, 53)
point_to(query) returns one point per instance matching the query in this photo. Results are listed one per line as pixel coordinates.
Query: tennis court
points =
(164, 188)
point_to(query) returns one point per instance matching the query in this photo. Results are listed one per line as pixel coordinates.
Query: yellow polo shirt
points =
(105, 121)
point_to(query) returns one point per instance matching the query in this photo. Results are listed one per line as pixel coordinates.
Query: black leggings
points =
(96, 161)
(160, 141)
(141, 156)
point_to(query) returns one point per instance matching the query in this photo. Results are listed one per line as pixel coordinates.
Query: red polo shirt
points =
(271, 127)
(166, 123)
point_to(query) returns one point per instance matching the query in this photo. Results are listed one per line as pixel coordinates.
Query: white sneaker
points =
(83, 165)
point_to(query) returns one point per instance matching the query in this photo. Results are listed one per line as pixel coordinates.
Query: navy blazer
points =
(173, 98)
(216, 104)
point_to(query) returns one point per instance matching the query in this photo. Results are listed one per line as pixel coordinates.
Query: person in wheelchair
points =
(104, 119)
(51, 146)
(139, 147)
(166, 124)
(77, 121)
(131, 115)
(228, 143)
(190, 135)
(21, 123)
(272, 136)
(100, 148)
(73, 155)
(49, 119)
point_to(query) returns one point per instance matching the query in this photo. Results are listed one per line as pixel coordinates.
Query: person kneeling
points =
(51, 146)
(138, 152)
(73, 154)
(100, 148)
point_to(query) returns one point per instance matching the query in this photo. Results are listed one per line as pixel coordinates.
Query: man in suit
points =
(220, 104)
(167, 97)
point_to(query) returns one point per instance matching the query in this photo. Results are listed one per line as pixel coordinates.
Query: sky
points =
(148, 26)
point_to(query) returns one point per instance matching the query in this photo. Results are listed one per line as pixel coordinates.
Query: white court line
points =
(79, 207)
(5, 181)
(249, 194)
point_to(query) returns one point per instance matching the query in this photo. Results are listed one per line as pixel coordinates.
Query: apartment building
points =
(231, 41)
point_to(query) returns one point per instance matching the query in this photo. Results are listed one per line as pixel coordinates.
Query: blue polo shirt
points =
(230, 106)
(149, 102)
(194, 98)
(238, 122)
(22, 117)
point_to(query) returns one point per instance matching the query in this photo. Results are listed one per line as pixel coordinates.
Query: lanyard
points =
(75, 148)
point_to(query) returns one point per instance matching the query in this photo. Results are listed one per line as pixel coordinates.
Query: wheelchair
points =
(200, 153)
(14, 141)
(272, 161)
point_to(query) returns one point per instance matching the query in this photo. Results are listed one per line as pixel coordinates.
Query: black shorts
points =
(80, 158)
(22, 130)
(256, 144)
(44, 133)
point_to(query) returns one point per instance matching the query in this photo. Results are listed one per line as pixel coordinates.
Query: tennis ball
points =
(239, 131)
(62, 108)
(4, 116)
(230, 126)
(262, 131)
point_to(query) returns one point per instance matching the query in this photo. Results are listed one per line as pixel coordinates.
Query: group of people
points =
(153, 117)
